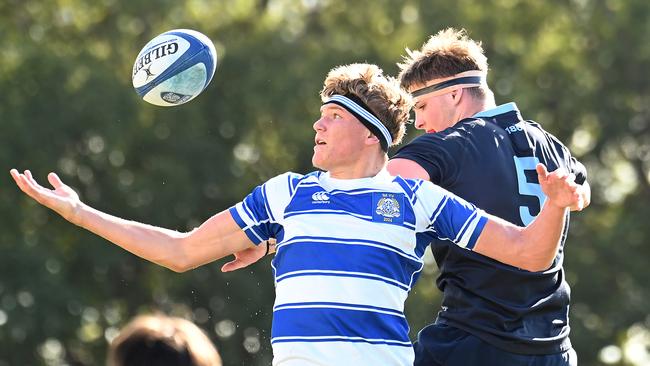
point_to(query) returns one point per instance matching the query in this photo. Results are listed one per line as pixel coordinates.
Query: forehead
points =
(344, 113)
(334, 108)
(414, 87)
(417, 101)
(330, 107)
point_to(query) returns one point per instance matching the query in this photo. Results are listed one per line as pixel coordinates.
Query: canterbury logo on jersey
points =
(320, 197)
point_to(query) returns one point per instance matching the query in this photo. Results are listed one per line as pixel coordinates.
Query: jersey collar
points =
(503, 108)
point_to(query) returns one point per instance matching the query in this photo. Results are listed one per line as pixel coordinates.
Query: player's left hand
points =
(560, 188)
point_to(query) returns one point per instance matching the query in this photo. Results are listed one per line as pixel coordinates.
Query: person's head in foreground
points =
(363, 114)
(162, 341)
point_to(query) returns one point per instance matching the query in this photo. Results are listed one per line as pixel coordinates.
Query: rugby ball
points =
(174, 67)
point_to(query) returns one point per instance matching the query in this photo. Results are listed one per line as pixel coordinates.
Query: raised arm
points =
(217, 237)
(534, 247)
(410, 169)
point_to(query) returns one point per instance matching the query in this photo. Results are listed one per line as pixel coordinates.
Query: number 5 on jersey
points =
(527, 188)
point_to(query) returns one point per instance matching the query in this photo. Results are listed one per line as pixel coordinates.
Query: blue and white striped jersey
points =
(348, 252)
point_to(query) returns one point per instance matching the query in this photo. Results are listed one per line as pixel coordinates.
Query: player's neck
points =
(474, 106)
(368, 166)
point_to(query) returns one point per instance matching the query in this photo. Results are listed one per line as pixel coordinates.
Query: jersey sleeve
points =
(261, 213)
(436, 154)
(446, 216)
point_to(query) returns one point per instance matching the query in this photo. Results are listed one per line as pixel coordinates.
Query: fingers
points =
(25, 184)
(579, 203)
(54, 180)
(233, 265)
(559, 174)
(15, 175)
(17, 178)
(31, 180)
(27, 179)
(541, 171)
(29, 176)
(21, 180)
(28, 185)
(560, 186)
(578, 206)
(581, 199)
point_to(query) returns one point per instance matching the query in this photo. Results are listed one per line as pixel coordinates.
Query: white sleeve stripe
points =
(462, 229)
(438, 210)
(469, 232)
(289, 185)
(266, 204)
(414, 274)
(248, 211)
(252, 230)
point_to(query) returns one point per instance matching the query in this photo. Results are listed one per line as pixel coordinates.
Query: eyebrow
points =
(331, 106)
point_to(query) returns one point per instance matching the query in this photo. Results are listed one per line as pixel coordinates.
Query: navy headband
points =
(465, 79)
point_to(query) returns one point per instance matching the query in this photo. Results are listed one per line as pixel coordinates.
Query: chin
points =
(320, 162)
(315, 162)
(318, 165)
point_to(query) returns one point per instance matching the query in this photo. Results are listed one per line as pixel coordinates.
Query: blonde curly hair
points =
(382, 94)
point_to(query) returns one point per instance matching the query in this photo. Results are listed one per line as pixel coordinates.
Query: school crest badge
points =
(388, 207)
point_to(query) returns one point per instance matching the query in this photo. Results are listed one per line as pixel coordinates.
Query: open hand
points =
(560, 188)
(62, 199)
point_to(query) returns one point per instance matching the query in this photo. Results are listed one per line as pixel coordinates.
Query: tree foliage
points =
(579, 67)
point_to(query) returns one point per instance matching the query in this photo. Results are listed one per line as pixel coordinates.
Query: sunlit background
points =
(581, 68)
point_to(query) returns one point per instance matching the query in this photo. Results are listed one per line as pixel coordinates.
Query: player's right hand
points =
(62, 199)
(245, 258)
(560, 188)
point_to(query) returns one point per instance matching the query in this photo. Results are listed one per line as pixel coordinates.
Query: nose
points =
(418, 121)
(319, 125)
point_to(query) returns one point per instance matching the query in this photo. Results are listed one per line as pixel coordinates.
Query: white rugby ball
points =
(174, 67)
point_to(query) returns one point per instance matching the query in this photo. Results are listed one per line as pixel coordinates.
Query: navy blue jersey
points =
(489, 160)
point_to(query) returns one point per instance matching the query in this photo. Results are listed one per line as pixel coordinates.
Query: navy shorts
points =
(442, 345)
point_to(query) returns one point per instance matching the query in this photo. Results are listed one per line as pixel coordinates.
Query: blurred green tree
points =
(578, 67)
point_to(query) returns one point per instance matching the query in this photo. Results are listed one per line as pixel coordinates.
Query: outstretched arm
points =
(218, 237)
(534, 247)
(410, 169)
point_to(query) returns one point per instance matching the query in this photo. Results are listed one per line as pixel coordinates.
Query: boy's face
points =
(433, 112)
(340, 139)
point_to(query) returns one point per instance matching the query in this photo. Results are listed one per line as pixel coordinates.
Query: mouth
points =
(319, 141)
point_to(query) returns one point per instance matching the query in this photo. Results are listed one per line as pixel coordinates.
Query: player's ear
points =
(456, 95)
(371, 139)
